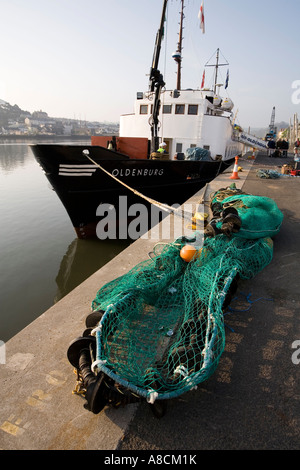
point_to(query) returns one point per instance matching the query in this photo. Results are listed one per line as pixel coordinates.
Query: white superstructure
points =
(188, 118)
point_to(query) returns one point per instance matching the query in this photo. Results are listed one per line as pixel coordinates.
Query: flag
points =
(203, 79)
(201, 18)
(227, 79)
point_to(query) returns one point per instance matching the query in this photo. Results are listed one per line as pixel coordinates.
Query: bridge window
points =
(193, 109)
(179, 109)
(143, 109)
(167, 109)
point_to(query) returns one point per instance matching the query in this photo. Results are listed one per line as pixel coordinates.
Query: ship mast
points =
(216, 70)
(177, 56)
(156, 82)
(216, 65)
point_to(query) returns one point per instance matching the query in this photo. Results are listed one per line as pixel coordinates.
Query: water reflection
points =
(82, 259)
(13, 156)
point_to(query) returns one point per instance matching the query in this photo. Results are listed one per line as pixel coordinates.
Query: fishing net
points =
(253, 217)
(162, 330)
(198, 153)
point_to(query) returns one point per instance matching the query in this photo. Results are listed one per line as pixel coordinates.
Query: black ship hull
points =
(83, 187)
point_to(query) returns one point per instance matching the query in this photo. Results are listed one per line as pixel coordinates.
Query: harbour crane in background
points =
(272, 133)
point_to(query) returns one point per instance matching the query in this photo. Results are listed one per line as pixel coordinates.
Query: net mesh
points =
(162, 331)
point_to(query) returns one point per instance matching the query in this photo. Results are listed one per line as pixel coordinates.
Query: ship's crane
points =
(156, 82)
(271, 135)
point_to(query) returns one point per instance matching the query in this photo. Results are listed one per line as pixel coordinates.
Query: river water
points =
(41, 259)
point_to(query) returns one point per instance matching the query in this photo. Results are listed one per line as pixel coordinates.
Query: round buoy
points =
(188, 252)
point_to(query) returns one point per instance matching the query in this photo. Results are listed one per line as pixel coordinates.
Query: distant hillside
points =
(261, 131)
(11, 113)
(14, 121)
(15, 113)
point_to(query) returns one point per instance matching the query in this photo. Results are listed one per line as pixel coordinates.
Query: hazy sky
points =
(86, 59)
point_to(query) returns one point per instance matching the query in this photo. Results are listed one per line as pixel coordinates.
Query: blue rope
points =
(250, 302)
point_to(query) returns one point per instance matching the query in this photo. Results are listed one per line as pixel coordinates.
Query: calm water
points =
(41, 260)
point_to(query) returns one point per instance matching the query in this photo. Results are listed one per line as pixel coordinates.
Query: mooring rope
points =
(163, 206)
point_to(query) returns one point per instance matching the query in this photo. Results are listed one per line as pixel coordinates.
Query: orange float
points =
(188, 252)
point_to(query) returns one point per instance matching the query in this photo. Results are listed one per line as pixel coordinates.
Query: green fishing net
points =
(259, 216)
(162, 330)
